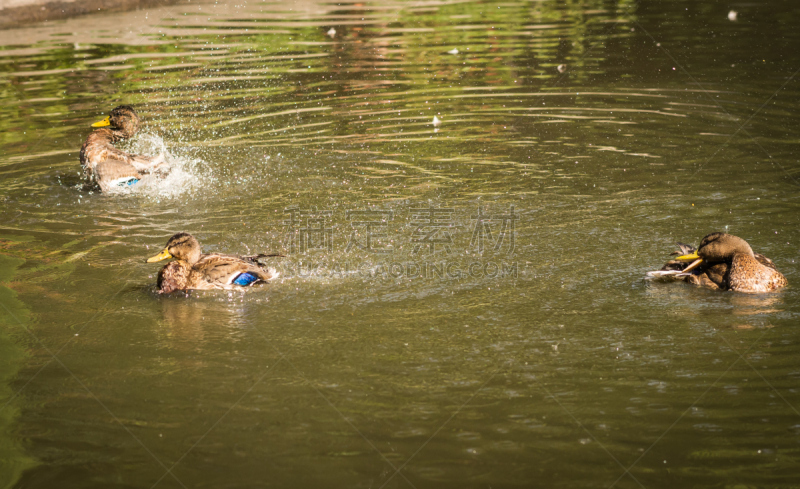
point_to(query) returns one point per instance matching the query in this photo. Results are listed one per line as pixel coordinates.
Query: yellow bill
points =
(105, 122)
(161, 256)
(693, 265)
(694, 258)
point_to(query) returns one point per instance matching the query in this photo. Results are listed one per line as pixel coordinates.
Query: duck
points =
(192, 269)
(108, 167)
(725, 262)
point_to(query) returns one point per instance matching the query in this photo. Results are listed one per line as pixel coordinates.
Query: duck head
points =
(182, 246)
(123, 121)
(717, 248)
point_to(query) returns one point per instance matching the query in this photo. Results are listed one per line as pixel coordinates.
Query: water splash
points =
(186, 173)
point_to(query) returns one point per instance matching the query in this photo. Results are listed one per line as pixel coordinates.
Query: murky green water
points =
(449, 350)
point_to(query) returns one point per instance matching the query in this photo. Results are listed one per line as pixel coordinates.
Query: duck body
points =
(724, 262)
(108, 167)
(749, 274)
(193, 270)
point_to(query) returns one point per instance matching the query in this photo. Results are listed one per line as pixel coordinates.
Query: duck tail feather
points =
(269, 255)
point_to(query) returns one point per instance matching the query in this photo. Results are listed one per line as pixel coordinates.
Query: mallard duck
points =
(107, 166)
(725, 262)
(194, 270)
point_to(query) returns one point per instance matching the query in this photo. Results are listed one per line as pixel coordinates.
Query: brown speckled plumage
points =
(103, 164)
(194, 270)
(728, 263)
(748, 274)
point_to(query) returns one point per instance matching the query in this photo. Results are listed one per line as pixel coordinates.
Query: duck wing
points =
(150, 164)
(765, 261)
(256, 259)
(109, 173)
(673, 269)
(683, 249)
(222, 270)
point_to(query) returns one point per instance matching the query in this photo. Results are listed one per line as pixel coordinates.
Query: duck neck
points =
(117, 135)
(193, 256)
(106, 135)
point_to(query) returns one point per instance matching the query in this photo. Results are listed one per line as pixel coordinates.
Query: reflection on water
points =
(13, 313)
(468, 195)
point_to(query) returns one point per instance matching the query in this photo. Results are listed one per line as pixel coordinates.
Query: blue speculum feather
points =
(245, 279)
(127, 183)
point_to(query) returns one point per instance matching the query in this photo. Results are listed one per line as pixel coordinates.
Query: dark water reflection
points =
(608, 130)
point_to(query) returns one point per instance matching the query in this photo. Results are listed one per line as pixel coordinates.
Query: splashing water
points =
(186, 173)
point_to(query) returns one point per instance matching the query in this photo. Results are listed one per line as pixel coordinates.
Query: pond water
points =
(468, 195)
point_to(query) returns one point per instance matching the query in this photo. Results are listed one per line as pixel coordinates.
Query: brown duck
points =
(194, 270)
(109, 167)
(726, 262)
